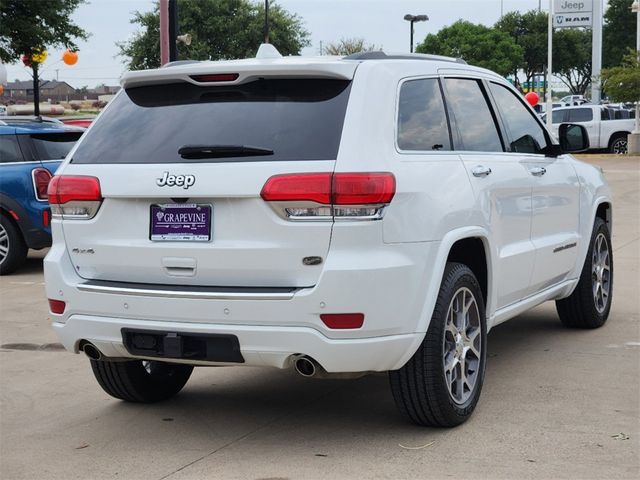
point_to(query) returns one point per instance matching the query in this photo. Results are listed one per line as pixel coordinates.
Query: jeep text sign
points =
(573, 6)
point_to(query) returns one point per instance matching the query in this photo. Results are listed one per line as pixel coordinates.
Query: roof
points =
(25, 126)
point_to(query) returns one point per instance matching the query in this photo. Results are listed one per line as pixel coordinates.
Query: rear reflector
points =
(216, 77)
(41, 179)
(57, 306)
(343, 320)
(46, 219)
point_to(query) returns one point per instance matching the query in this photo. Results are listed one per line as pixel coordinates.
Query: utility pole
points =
(173, 30)
(596, 51)
(164, 32)
(549, 66)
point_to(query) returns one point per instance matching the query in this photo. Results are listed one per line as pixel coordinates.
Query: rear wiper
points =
(221, 151)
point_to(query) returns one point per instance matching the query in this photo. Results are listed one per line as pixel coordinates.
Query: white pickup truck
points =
(604, 131)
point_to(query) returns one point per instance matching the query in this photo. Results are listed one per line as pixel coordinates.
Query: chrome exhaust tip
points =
(91, 351)
(305, 366)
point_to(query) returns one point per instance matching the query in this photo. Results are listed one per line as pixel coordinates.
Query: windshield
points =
(297, 119)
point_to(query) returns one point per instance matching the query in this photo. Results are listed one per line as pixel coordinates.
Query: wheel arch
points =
(450, 247)
(615, 135)
(601, 208)
(471, 246)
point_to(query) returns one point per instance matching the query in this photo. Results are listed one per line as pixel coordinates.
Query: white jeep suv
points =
(334, 215)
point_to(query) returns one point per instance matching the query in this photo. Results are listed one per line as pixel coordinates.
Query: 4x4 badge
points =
(184, 181)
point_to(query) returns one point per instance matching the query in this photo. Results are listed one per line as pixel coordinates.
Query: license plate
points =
(181, 222)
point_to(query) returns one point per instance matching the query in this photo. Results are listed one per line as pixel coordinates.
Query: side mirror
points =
(573, 138)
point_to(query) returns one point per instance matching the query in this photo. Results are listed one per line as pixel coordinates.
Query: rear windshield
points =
(54, 146)
(296, 119)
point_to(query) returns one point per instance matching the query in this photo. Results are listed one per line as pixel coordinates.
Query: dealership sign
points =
(572, 13)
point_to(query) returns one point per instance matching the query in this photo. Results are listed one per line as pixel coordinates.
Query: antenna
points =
(266, 21)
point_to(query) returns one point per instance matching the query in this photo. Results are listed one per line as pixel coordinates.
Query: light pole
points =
(412, 19)
(635, 8)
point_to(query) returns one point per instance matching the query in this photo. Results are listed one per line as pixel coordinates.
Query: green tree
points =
(529, 30)
(220, 29)
(622, 83)
(618, 33)
(477, 45)
(572, 58)
(28, 27)
(348, 46)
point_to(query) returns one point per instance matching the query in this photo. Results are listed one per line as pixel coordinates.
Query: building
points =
(49, 90)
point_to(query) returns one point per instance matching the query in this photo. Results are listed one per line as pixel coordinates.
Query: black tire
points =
(579, 310)
(618, 144)
(13, 249)
(135, 381)
(420, 388)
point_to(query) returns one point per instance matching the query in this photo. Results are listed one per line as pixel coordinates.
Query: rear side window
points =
(422, 121)
(525, 133)
(9, 149)
(54, 146)
(297, 119)
(580, 115)
(473, 119)
(557, 116)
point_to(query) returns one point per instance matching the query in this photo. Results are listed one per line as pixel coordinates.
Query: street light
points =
(412, 19)
(635, 8)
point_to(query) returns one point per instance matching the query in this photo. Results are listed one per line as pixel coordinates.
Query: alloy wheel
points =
(601, 273)
(620, 147)
(462, 345)
(4, 244)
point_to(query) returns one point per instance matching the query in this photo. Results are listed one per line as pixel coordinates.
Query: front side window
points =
(580, 115)
(9, 149)
(474, 121)
(525, 133)
(422, 121)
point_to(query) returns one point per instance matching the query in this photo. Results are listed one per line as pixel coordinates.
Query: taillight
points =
(41, 178)
(323, 196)
(74, 196)
(57, 306)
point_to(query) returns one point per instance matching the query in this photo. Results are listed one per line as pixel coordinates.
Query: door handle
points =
(480, 171)
(538, 171)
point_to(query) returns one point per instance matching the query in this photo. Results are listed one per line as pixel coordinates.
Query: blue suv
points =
(31, 149)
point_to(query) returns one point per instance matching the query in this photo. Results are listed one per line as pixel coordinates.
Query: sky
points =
(379, 22)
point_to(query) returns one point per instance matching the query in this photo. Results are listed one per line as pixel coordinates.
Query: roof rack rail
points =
(380, 55)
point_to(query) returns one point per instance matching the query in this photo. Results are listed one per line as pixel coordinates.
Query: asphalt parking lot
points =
(556, 403)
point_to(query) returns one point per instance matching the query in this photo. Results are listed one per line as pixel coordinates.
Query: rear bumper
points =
(387, 284)
(268, 346)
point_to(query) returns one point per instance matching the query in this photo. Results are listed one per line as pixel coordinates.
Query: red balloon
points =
(532, 98)
(26, 60)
